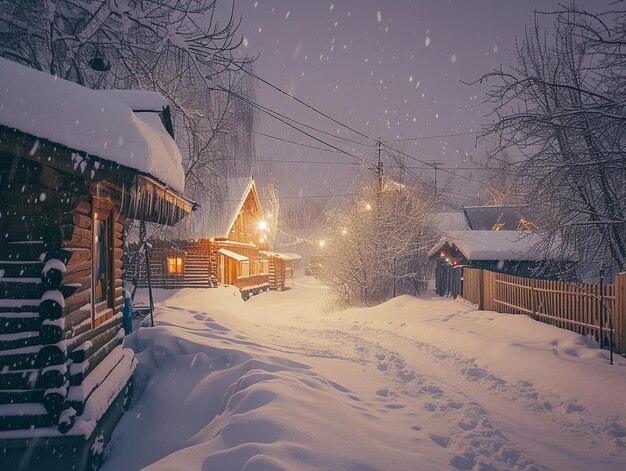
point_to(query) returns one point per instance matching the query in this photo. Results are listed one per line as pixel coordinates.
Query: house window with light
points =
(175, 265)
(245, 269)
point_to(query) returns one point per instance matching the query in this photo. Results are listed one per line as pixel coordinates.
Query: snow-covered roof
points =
(494, 245)
(288, 257)
(446, 222)
(91, 121)
(233, 255)
(216, 218)
(138, 100)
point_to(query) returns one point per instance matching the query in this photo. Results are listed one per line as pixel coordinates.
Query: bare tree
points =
(562, 105)
(378, 246)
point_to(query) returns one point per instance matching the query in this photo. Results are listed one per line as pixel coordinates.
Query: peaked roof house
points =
(231, 251)
(74, 165)
(496, 238)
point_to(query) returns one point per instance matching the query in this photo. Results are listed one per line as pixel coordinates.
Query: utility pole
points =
(379, 165)
(435, 165)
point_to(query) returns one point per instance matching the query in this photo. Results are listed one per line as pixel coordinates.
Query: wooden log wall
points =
(48, 344)
(200, 263)
(572, 306)
(276, 273)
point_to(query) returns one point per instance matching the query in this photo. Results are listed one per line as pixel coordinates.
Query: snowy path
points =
(399, 386)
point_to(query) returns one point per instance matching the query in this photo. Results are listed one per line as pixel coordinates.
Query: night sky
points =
(386, 68)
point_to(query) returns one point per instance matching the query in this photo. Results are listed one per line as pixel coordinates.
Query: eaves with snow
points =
(101, 124)
(494, 245)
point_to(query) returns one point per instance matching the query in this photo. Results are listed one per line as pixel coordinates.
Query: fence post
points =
(481, 290)
(619, 313)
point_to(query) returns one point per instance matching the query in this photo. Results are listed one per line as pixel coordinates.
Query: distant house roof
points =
(96, 123)
(494, 245)
(489, 218)
(287, 257)
(446, 222)
(217, 218)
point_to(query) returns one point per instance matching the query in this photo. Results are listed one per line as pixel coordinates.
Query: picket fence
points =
(579, 307)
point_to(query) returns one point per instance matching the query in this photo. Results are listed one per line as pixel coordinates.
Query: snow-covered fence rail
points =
(582, 308)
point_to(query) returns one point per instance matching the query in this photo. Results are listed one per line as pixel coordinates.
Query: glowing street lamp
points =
(262, 225)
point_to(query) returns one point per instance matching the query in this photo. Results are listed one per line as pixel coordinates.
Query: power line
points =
(279, 117)
(299, 197)
(294, 142)
(411, 139)
(431, 165)
(324, 162)
(305, 104)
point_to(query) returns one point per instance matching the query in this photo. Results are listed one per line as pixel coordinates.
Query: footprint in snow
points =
(464, 463)
(395, 406)
(432, 389)
(443, 442)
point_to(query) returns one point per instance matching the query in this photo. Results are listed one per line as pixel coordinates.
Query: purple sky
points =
(385, 68)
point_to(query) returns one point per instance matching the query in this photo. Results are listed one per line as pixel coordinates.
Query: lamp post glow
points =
(322, 243)
(262, 225)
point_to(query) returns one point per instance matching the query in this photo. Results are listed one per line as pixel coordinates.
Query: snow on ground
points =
(276, 383)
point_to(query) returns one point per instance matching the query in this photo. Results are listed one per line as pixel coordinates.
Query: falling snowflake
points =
(453, 58)
(379, 16)
(427, 41)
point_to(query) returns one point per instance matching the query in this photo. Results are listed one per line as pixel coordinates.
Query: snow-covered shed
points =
(74, 165)
(281, 268)
(520, 253)
(231, 233)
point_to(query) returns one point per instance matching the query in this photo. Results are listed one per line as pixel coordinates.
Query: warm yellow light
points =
(344, 232)
(269, 215)
(322, 243)
(262, 239)
(368, 206)
(262, 225)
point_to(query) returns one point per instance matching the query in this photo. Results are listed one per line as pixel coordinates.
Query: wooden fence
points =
(572, 306)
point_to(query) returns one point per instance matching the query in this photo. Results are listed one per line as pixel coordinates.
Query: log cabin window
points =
(245, 269)
(175, 265)
(102, 260)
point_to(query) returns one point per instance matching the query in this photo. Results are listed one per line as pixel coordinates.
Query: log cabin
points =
(75, 164)
(231, 250)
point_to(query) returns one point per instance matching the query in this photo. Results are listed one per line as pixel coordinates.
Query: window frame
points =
(179, 268)
(102, 210)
